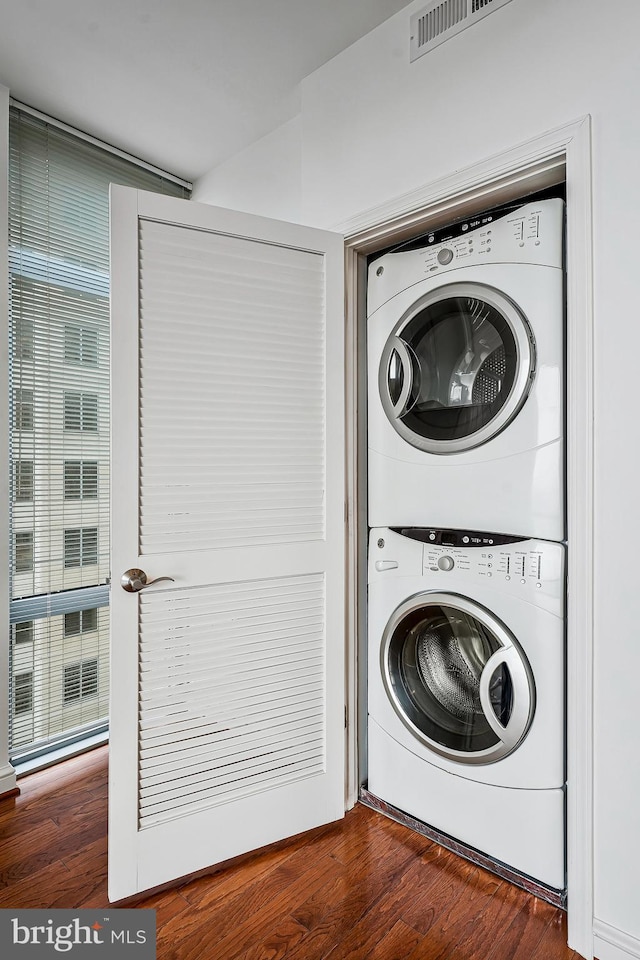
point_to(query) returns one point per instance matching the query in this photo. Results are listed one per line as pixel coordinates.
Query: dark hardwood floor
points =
(363, 889)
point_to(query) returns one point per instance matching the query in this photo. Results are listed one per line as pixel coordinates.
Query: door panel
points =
(227, 728)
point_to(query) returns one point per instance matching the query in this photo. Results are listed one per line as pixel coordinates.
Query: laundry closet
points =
(467, 538)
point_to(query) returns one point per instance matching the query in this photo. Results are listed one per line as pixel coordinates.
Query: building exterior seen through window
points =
(59, 352)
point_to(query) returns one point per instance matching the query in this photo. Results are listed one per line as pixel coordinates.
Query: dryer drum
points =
(488, 381)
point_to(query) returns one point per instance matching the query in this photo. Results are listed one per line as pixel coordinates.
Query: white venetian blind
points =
(59, 384)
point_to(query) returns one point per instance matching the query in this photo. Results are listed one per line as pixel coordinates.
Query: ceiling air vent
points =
(442, 19)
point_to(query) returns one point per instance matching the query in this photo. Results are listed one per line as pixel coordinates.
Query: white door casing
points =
(227, 710)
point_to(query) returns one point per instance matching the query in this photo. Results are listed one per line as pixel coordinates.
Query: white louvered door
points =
(227, 713)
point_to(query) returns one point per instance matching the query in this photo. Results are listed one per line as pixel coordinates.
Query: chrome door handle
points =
(135, 580)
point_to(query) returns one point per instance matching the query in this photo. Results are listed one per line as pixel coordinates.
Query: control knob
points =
(446, 563)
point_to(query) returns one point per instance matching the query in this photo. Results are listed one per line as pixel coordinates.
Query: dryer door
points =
(457, 368)
(457, 678)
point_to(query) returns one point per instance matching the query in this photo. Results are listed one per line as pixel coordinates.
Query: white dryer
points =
(466, 383)
(466, 691)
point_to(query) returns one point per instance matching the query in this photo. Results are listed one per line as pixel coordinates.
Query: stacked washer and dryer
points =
(466, 605)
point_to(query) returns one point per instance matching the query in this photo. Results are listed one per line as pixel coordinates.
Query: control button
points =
(445, 256)
(446, 563)
(465, 539)
(538, 584)
(489, 574)
(507, 577)
(523, 580)
(489, 564)
(432, 536)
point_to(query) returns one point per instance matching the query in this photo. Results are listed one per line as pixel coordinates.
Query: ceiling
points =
(183, 84)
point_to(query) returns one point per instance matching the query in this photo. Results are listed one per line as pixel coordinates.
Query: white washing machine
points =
(466, 383)
(466, 690)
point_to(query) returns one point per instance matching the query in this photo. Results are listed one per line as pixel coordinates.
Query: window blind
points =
(59, 390)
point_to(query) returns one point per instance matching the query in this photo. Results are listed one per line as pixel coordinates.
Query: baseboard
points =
(7, 780)
(609, 943)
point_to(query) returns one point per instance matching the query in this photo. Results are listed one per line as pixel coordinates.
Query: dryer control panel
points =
(531, 233)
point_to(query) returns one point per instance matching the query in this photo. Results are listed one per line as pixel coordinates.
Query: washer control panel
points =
(526, 564)
(466, 561)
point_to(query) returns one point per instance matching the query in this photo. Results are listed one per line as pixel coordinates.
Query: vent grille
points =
(442, 19)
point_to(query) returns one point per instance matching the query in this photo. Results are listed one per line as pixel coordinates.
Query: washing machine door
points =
(457, 678)
(456, 368)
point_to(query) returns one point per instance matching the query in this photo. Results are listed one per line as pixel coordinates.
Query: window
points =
(80, 621)
(80, 680)
(23, 409)
(22, 632)
(23, 481)
(23, 339)
(59, 370)
(80, 479)
(23, 551)
(80, 344)
(80, 411)
(23, 693)
(80, 546)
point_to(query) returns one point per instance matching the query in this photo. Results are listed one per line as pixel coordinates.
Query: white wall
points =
(373, 127)
(7, 776)
(263, 179)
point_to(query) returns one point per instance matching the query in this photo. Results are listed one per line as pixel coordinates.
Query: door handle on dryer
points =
(381, 565)
(399, 347)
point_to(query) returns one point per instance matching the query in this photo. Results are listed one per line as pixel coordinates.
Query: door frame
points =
(562, 154)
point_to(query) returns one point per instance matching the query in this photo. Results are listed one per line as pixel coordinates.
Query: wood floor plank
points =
(41, 888)
(553, 942)
(364, 881)
(220, 934)
(460, 882)
(30, 811)
(519, 939)
(397, 944)
(364, 888)
(343, 936)
(467, 930)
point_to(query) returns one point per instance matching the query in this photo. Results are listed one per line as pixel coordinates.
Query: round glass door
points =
(456, 368)
(457, 678)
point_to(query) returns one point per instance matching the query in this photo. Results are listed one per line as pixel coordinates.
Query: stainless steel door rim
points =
(508, 654)
(396, 409)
